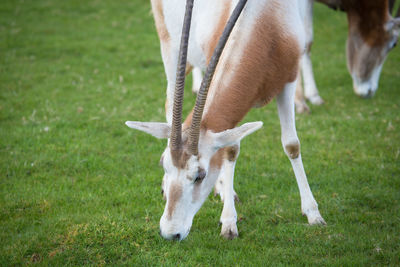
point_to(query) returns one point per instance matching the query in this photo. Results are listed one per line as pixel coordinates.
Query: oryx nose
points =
(370, 93)
(177, 237)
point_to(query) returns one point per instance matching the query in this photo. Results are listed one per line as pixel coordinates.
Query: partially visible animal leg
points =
(170, 59)
(310, 88)
(197, 77)
(218, 190)
(291, 146)
(231, 153)
(300, 101)
(228, 216)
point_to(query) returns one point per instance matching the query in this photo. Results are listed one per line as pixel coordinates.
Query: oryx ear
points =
(392, 24)
(156, 129)
(233, 136)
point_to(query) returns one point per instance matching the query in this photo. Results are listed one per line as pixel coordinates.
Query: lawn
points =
(78, 187)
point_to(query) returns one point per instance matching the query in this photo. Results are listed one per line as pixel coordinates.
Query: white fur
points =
(310, 88)
(228, 216)
(206, 13)
(197, 76)
(156, 129)
(369, 87)
(285, 102)
(187, 207)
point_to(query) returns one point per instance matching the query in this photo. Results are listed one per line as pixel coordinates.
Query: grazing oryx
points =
(260, 61)
(373, 32)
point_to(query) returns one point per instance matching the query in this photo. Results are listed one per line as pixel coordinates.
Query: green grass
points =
(77, 187)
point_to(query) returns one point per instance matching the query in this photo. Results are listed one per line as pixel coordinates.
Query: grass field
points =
(77, 187)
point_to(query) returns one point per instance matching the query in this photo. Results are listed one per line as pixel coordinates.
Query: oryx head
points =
(368, 45)
(191, 160)
(191, 168)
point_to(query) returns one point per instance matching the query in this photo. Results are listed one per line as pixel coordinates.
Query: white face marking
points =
(176, 223)
(184, 194)
(368, 87)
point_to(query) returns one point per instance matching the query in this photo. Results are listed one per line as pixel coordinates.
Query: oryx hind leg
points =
(291, 146)
(197, 77)
(170, 59)
(300, 101)
(310, 88)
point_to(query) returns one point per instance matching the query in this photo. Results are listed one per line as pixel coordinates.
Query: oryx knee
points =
(232, 153)
(292, 149)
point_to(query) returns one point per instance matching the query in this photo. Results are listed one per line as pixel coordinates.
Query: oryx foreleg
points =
(225, 184)
(170, 60)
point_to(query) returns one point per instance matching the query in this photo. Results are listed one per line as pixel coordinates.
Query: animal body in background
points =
(373, 32)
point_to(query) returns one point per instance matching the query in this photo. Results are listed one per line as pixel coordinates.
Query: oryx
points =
(372, 33)
(260, 61)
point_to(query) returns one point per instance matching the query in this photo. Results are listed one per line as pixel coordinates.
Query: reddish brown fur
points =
(180, 158)
(216, 160)
(175, 193)
(162, 31)
(269, 64)
(293, 150)
(212, 43)
(188, 69)
(369, 16)
(232, 153)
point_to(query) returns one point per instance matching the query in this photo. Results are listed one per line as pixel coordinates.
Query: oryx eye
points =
(201, 174)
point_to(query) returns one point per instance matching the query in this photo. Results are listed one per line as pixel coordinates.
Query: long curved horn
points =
(176, 130)
(205, 84)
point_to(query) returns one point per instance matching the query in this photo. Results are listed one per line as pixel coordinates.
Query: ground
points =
(78, 187)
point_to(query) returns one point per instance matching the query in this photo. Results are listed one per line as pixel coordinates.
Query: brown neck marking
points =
(369, 17)
(269, 61)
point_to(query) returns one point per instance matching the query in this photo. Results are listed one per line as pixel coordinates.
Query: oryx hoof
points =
(302, 107)
(314, 217)
(316, 100)
(236, 198)
(229, 231)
